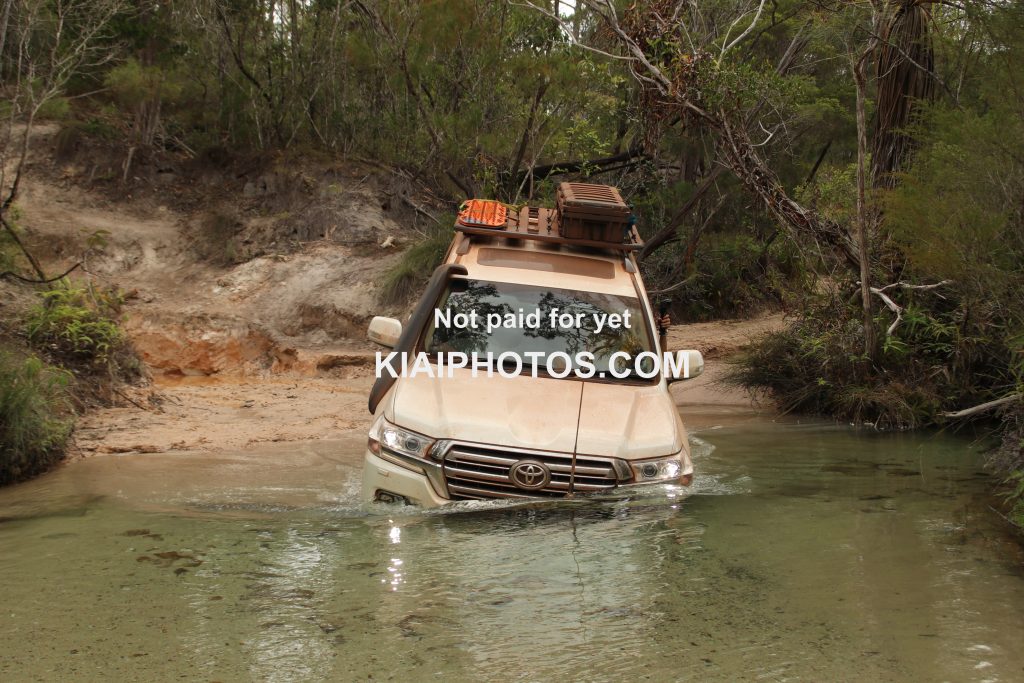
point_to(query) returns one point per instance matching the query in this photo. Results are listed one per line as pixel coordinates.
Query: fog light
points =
(382, 496)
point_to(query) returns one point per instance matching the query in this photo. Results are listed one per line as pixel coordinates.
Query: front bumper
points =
(390, 476)
(380, 475)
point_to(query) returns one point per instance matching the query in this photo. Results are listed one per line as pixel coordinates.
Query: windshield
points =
(539, 319)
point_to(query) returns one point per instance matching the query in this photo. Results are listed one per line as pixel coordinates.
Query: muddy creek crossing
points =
(804, 551)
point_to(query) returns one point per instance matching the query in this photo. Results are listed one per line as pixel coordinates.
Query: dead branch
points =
(728, 46)
(906, 285)
(666, 233)
(568, 33)
(968, 412)
(130, 400)
(895, 307)
(579, 165)
(801, 221)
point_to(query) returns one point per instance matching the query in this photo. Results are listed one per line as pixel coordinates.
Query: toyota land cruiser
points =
(567, 389)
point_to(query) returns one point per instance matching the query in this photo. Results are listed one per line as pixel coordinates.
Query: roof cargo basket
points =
(586, 216)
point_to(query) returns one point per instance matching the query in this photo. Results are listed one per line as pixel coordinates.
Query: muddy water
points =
(804, 552)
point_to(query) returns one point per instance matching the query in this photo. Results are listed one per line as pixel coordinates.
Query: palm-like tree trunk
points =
(906, 80)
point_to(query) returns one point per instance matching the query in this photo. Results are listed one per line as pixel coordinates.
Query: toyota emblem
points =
(530, 475)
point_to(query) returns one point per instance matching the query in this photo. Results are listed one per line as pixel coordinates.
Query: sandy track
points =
(227, 413)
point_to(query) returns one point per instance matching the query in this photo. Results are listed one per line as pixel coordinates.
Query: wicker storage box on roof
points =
(592, 212)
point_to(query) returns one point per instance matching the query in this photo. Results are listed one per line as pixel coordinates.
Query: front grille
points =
(474, 473)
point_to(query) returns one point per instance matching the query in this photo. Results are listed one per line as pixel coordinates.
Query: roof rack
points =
(587, 216)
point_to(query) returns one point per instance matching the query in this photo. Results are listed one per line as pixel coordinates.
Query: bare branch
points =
(895, 307)
(905, 285)
(740, 37)
(44, 281)
(13, 234)
(568, 33)
(975, 410)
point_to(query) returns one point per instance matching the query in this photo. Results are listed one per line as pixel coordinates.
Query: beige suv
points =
(531, 367)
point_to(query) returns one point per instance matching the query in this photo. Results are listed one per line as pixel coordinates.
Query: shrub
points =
(943, 356)
(133, 84)
(34, 428)
(78, 327)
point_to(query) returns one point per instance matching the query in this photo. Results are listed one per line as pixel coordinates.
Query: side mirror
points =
(384, 331)
(682, 365)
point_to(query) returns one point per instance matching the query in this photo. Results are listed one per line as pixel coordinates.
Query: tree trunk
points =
(802, 222)
(860, 78)
(906, 80)
(4, 19)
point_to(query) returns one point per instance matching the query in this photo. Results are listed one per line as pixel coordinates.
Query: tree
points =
(48, 43)
(682, 56)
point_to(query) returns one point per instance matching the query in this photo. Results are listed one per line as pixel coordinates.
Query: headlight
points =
(384, 435)
(657, 469)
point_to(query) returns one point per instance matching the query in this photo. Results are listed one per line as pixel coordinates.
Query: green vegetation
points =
(79, 328)
(937, 360)
(949, 256)
(76, 352)
(34, 416)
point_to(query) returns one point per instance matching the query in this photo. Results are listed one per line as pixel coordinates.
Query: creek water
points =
(802, 552)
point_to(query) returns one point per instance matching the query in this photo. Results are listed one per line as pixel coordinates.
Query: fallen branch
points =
(666, 233)
(13, 234)
(466, 189)
(1008, 520)
(968, 412)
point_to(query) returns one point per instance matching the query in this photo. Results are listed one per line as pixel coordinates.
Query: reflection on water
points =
(802, 553)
